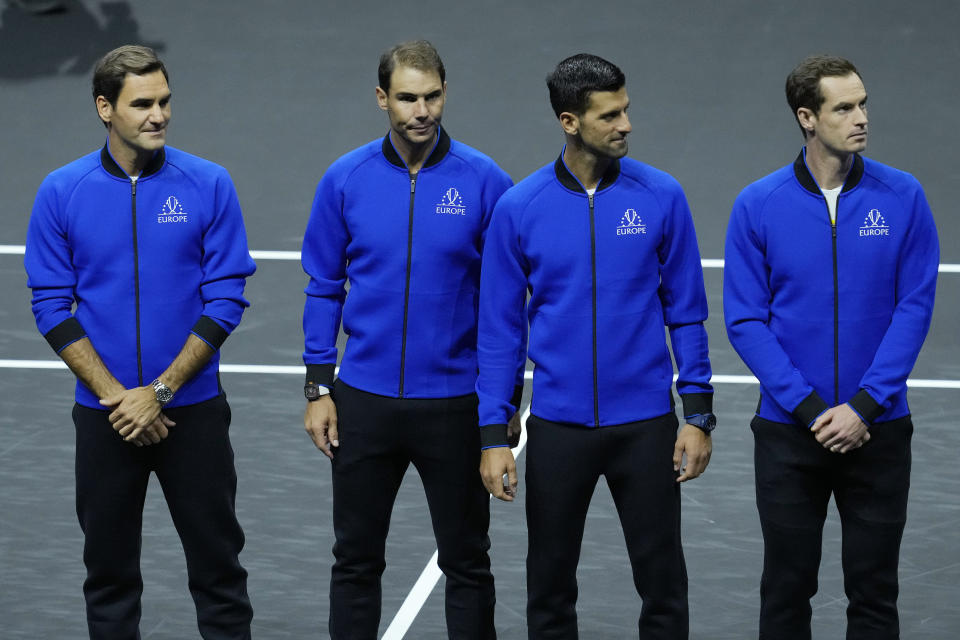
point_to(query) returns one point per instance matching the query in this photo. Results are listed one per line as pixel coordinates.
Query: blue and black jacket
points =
(827, 313)
(604, 273)
(146, 261)
(410, 246)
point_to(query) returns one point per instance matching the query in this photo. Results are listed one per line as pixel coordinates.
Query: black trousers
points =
(195, 468)
(564, 463)
(380, 437)
(795, 477)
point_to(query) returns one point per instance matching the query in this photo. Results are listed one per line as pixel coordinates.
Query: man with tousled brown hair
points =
(829, 280)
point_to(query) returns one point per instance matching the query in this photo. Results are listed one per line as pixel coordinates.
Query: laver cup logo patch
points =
(452, 203)
(631, 224)
(874, 225)
(172, 211)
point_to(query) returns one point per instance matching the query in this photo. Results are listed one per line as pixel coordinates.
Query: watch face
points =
(162, 392)
(708, 422)
(311, 391)
(705, 422)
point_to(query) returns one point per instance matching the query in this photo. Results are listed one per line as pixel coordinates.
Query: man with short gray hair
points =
(148, 243)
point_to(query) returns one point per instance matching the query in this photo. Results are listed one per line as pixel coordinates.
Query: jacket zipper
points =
(406, 289)
(593, 269)
(836, 308)
(136, 275)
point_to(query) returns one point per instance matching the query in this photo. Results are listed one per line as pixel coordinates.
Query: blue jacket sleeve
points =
(746, 306)
(916, 288)
(502, 328)
(685, 306)
(324, 261)
(50, 271)
(226, 265)
(494, 187)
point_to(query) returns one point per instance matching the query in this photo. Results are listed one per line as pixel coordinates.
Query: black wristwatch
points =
(313, 391)
(706, 422)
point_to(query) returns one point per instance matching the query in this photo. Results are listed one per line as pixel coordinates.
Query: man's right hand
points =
(154, 432)
(494, 462)
(320, 422)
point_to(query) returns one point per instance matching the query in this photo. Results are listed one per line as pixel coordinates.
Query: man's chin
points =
(617, 152)
(420, 137)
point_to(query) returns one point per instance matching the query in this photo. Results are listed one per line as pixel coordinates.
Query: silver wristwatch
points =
(162, 391)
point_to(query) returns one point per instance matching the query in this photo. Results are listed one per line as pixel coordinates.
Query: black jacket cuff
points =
(65, 333)
(864, 404)
(493, 435)
(697, 403)
(808, 410)
(320, 374)
(210, 332)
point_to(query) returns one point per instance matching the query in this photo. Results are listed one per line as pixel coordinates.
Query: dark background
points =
(276, 91)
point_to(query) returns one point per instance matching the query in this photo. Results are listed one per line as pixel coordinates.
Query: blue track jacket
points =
(604, 273)
(145, 261)
(826, 314)
(410, 246)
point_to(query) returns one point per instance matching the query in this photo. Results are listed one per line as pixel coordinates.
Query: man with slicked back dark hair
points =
(606, 247)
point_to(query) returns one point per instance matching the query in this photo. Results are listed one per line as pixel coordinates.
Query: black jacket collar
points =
(808, 183)
(570, 182)
(439, 151)
(155, 164)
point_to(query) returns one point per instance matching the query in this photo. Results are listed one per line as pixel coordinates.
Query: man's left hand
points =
(840, 429)
(697, 446)
(133, 411)
(514, 428)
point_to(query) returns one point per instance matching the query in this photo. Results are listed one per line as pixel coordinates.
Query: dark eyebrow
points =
(146, 102)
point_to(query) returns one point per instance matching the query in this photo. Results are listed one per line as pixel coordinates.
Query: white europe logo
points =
(172, 211)
(874, 225)
(631, 224)
(452, 203)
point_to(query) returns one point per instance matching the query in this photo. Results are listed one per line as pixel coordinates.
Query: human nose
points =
(420, 109)
(158, 113)
(862, 116)
(624, 125)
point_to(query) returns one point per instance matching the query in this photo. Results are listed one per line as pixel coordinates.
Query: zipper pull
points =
(590, 197)
(413, 183)
(133, 185)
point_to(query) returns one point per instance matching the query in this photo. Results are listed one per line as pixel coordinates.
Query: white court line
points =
(275, 255)
(300, 370)
(431, 573)
(706, 263)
